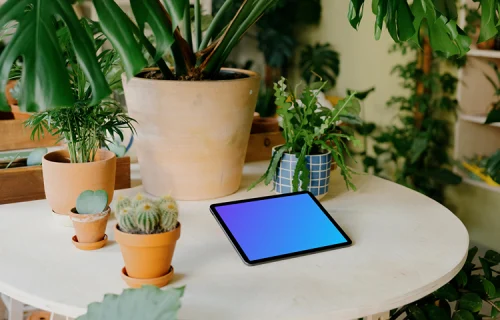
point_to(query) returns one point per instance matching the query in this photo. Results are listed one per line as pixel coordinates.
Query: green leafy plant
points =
(320, 62)
(146, 216)
(482, 168)
(476, 286)
(83, 126)
(494, 114)
(414, 150)
(91, 202)
(146, 303)
(310, 128)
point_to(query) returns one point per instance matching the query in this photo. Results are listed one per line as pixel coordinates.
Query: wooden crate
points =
(260, 145)
(26, 183)
(15, 136)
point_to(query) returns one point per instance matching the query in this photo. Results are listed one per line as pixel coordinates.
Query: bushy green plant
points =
(83, 126)
(464, 297)
(320, 62)
(140, 215)
(310, 128)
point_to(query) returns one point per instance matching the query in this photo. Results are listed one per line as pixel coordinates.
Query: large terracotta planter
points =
(192, 136)
(147, 256)
(64, 181)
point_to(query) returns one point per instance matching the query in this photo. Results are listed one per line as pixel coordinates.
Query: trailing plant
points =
(320, 62)
(91, 202)
(141, 215)
(83, 126)
(475, 288)
(309, 128)
(414, 150)
(494, 113)
(146, 303)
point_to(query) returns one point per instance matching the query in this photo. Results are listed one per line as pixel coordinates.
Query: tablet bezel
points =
(241, 253)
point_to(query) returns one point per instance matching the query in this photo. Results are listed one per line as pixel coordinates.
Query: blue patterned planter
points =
(319, 173)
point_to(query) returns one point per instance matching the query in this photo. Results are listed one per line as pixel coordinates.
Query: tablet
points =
(278, 227)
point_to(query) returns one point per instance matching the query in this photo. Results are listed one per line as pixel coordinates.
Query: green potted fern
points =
(313, 141)
(147, 232)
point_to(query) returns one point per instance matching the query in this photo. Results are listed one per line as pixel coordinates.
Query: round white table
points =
(405, 247)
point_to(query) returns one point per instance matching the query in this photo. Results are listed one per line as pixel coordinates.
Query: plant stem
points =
(493, 305)
(215, 24)
(197, 25)
(188, 35)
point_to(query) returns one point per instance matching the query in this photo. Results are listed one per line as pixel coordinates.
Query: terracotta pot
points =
(64, 181)
(147, 256)
(90, 228)
(192, 136)
(10, 85)
(264, 125)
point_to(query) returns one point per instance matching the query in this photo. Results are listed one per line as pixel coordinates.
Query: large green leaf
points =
(493, 116)
(146, 303)
(177, 10)
(355, 13)
(150, 12)
(45, 78)
(471, 302)
(488, 16)
(320, 60)
(447, 292)
(120, 31)
(463, 315)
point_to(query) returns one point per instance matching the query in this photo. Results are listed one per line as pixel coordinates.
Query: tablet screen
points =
(269, 228)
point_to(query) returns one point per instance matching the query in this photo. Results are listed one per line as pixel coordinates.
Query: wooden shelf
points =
(476, 119)
(494, 54)
(480, 184)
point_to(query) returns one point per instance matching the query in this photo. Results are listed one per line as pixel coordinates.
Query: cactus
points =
(127, 220)
(168, 215)
(148, 217)
(92, 202)
(123, 202)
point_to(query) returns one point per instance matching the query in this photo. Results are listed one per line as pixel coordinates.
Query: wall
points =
(364, 63)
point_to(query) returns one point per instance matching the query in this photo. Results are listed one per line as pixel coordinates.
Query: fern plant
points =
(309, 128)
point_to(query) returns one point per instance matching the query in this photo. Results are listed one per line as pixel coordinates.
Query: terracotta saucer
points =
(137, 283)
(90, 246)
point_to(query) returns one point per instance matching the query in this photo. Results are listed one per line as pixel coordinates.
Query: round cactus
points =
(138, 200)
(167, 200)
(127, 220)
(148, 217)
(123, 202)
(168, 214)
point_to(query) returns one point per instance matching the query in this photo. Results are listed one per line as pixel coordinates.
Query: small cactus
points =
(147, 216)
(123, 202)
(127, 220)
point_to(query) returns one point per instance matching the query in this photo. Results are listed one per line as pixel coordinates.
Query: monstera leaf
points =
(320, 60)
(146, 303)
(45, 78)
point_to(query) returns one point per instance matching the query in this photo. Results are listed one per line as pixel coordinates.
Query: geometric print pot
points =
(319, 166)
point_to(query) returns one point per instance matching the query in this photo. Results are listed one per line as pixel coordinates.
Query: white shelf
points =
(476, 119)
(495, 54)
(481, 184)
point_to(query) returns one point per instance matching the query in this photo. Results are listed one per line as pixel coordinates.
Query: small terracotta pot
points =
(264, 125)
(90, 228)
(64, 181)
(147, 256)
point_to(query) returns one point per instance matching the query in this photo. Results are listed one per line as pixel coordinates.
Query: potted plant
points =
(313, 140)
(86, 128)
(147, 232)
(89, 218)
(494, 110)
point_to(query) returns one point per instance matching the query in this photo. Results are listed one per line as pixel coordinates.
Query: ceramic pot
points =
(319, 166)
(90, 228)
(192, 136)
(147, 256)
(264, 125)
(64, 181)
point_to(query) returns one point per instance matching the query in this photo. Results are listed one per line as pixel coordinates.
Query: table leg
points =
(15, 310)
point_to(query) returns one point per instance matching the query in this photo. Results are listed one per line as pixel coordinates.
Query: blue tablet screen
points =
(279, 226)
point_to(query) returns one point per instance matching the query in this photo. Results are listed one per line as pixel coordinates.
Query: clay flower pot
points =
(264, 125)
(147, 256)
(192, 133)
(64, 181)
(90, 228)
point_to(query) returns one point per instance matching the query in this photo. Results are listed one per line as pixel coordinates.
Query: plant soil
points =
(196, 76)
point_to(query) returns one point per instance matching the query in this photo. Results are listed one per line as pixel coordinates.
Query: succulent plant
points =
(122, 202)
(147, 216)
(92, 202)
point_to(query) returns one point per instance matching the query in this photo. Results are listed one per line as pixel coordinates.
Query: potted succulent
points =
(89, 218)
(86, 128)
(313, 139)
(147, 232)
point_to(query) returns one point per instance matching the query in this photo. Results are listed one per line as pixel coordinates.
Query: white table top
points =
(405, 247)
